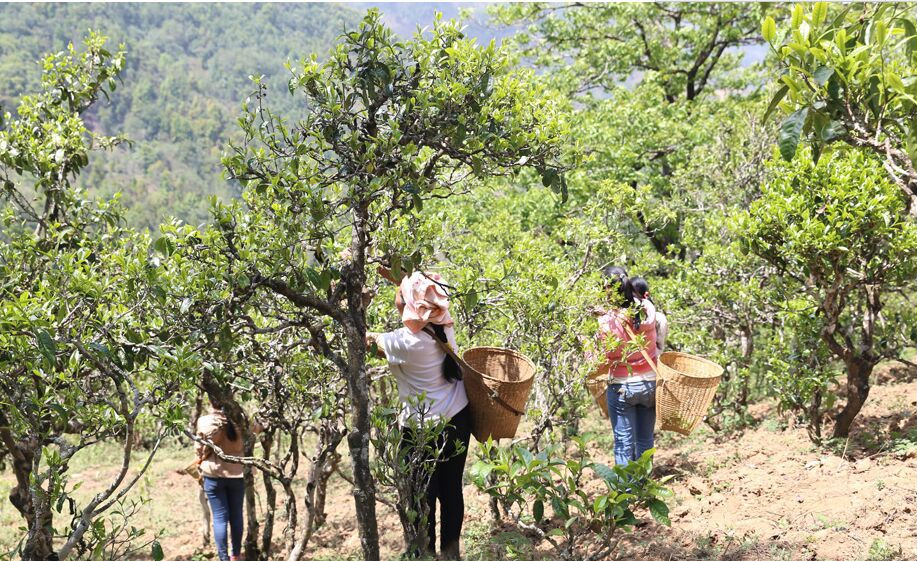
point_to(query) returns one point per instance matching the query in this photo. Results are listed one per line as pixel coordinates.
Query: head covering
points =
(425, 301)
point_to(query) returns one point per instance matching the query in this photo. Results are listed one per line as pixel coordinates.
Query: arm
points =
(387, 275)
(450, 338)
(662, 330)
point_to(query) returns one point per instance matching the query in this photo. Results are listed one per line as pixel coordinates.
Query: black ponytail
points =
(451, 369)
(641, 288)
(231, 432)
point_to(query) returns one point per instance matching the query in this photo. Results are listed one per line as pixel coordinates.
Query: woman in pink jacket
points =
(631, 379)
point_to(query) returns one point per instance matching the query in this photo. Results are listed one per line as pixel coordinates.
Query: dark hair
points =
(617, 277)
(451, 369)
(610, 271)
(640, 286)
(231, 432)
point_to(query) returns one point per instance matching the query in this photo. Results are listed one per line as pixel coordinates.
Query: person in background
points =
(631, 378)
(223, 482)
(421, 367)
(642, 291)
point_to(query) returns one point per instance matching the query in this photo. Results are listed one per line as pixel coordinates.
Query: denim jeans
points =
(632, 409)
(225, 495)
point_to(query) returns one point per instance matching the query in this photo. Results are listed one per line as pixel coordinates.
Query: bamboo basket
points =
(597, 384)
(194, 470)
(498, 382)
(685, 390)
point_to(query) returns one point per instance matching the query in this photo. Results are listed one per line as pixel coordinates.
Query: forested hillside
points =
(180, 93)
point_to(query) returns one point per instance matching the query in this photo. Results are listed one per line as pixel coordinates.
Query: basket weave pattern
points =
(688, 384)
(597, 384)
(504, 372)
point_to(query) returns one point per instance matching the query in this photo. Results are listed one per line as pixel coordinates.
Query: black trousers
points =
(446, 485)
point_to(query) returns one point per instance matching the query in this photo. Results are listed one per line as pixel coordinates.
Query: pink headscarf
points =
(424, 301)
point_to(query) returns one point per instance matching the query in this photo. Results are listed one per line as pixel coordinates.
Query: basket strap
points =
(447, 348)
(496, 397)
(646, 355)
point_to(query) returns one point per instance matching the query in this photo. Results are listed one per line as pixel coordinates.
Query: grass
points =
(903, 444)
(780, 553)
(826, 523)
(722, 486)
(706, 547)
(898, 443)
(879, 550)
(174, 510)
(338, 556)
(481, 544)
(91, 469)
(773, 424)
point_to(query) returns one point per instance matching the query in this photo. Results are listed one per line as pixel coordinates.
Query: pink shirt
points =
(612, 324)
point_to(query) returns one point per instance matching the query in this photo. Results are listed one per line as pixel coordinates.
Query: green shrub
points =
(526, 485)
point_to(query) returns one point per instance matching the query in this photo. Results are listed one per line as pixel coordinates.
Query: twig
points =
(844, 453)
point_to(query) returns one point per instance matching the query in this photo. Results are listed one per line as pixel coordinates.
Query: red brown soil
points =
(764, 494)
(773, 495)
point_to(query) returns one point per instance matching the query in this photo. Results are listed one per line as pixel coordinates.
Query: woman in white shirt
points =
(421, 367)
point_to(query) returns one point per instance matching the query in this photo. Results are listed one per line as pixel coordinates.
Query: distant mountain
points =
(186, 76)
(187, 73)
(405, 17)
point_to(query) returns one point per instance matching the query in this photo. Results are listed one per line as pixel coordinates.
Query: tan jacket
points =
(212, 427)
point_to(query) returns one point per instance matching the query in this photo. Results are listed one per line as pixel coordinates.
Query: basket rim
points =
(692, 357)
(502, 350)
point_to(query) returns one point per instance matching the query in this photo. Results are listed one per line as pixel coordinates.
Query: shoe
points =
(451, 552)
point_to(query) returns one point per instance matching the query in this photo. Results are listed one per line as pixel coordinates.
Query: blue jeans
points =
(225, 495)
(632, 409)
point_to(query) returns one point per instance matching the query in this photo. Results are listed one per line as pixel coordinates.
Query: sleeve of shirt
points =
(662, 330)
(206, 430)
(610, 326)
(390, 344)
(650, 310)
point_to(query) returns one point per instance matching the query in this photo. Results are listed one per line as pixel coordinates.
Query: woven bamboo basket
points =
(194, 470)
(685, 391)
(597, 384)
(498, 382)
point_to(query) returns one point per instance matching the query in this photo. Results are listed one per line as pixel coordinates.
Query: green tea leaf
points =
(660, 512)
(156, 551)
(768, 29)
(47, 346)
(790, 131)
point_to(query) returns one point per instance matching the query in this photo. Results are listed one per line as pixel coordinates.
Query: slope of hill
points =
(405, 17)
(186, 76)
(187, 73)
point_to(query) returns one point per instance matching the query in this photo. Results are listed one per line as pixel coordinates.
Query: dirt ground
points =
(770, 494)
(765, 494)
